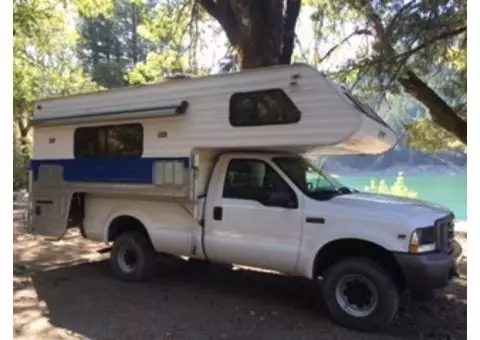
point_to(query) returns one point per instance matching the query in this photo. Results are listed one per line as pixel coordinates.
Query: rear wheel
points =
(360, 295)
(132, 257)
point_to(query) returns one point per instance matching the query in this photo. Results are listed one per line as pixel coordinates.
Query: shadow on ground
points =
(188, 301)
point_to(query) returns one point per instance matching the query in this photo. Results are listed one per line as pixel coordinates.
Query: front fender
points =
(309, 253)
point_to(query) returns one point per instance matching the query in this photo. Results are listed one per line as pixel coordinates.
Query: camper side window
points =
(269, 107)
(125, 140)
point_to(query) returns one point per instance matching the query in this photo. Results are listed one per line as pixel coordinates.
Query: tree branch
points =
(344, 40)
(211, 7)
(289, 22)
(439, 110)
(439, 37)
(393, 59)
(379, 29)
(393, 22)
(222, 11)
(407, 54)
(302, 51)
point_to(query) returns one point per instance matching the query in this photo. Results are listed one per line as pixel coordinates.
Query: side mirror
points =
(280, 199)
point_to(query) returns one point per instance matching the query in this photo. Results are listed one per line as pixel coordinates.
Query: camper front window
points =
(266, 107)
(309, 179)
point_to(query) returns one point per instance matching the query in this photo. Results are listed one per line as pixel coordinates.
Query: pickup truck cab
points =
(278, 211)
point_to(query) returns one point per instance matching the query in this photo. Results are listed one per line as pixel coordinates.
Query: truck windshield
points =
(310, 179)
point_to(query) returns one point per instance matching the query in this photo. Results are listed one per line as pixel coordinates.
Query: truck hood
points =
(386, 207)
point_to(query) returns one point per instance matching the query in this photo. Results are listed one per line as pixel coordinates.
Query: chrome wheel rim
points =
(127, 258)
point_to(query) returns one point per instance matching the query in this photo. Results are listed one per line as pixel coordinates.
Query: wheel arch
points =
(124, 221)
(339, 249)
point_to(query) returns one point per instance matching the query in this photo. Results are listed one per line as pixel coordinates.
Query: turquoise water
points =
(447, 190)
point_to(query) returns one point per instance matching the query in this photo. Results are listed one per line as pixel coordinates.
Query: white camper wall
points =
(53, 142)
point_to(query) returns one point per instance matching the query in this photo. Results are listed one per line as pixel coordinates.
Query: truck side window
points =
(253, 180)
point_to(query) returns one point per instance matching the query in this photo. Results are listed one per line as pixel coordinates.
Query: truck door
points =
(253, 216)
(49, 202)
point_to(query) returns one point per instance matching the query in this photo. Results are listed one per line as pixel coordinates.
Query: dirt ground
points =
(62, 290)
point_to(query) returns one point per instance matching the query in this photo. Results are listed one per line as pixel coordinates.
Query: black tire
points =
(387, 296)
(138, 246)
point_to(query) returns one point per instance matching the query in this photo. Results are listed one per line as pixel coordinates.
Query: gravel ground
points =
(62, 290)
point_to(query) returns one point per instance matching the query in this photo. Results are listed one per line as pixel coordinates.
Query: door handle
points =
(318, 220)
(217, 213)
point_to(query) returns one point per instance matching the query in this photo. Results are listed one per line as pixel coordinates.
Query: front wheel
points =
(360, 295)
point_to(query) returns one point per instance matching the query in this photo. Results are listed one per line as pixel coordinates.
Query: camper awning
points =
(104, 116)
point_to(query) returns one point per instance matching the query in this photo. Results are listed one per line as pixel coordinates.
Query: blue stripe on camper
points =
(106, 170)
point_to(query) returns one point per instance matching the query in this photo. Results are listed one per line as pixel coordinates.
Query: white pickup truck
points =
(279, 212)
(210, 168)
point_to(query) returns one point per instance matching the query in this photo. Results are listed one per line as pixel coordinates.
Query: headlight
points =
(423, 240)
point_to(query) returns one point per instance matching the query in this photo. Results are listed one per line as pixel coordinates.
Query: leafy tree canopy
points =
(43, 58)
(413, 48)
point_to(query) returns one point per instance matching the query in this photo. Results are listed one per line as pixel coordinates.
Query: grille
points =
(445, 234)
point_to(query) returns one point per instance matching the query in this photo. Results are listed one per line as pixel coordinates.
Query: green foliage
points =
(43, 66)
(425, 37)
(21, 157)
(43, 59)
(174, 30)
(155, 67)
(110, 46)
(424, 135)
(399, 187)
(164, 30)
(92, 8)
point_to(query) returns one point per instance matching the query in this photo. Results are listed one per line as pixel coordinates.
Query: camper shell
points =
(170, 128)
(212, 168)
(291, 108)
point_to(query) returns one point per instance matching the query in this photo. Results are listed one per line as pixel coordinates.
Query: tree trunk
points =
(134, 43)
(262, 32)
(442, 114)
(23, 130)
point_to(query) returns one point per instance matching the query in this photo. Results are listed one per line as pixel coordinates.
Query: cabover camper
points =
(216, 168)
